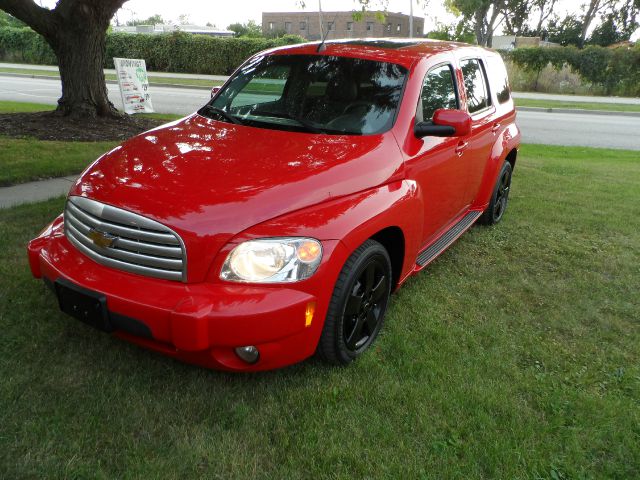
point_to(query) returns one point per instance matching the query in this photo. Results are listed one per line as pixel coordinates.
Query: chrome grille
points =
(124, 240)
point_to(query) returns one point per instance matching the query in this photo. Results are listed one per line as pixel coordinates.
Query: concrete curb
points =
(582, 111)
(111, 82)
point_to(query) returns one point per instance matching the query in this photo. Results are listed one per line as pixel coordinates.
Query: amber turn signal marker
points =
(308, 314)
(308, 251)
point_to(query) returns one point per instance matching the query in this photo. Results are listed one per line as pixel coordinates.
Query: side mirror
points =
(215, 90)
(445, 123)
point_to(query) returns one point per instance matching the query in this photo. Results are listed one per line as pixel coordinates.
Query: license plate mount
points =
(82, 304)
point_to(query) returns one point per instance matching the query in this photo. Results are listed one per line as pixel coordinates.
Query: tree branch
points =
(38, 18)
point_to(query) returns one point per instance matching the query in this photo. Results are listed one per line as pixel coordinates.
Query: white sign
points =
(134, 85)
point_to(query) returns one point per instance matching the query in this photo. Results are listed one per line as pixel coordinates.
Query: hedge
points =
(171, 52)
(616, 70)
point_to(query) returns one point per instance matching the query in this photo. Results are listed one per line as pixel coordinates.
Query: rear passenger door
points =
(484, 128)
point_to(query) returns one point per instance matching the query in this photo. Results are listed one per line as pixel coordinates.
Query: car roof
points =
(404, 51)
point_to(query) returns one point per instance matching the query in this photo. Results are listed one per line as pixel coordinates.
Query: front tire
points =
(358, 305)
(495, 211)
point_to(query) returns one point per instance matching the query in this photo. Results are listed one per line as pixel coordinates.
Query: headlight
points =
(273, 260)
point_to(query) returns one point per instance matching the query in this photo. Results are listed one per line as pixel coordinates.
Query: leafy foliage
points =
(174, 52)
(617, 70)
(152, 20)
(250, 29)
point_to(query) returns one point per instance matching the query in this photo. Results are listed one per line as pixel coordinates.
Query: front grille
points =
(124, 240)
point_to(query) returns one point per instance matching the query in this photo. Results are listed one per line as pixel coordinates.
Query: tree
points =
(593, 8)
(545, 9)
(459, 32)
(484, 15)
(515, 21)
(565, 32)
(76, 31)
(249, 29)
(152, 20)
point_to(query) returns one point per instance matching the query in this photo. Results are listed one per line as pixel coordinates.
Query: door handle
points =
(495, 128)
(461, 147)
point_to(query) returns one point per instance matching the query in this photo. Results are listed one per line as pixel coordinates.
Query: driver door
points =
(439, 167)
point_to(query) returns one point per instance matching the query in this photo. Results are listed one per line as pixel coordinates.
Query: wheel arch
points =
(393, 240)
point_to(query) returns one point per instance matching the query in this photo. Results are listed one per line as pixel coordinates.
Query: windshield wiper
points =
(221, 113)
(301, 121)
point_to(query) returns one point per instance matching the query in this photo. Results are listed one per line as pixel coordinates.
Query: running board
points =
(435, 249)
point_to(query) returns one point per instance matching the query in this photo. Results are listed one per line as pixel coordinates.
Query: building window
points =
(271, 25)
(332, 26)
(388, 27)
(398, 28)
(369, 26)
(287, 27)
(303, 25)
(349, 26)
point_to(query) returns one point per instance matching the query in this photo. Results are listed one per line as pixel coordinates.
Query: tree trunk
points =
(77, 32)
(80, 60)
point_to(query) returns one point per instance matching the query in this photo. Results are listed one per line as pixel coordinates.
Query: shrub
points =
(171, 52)
(616, 71)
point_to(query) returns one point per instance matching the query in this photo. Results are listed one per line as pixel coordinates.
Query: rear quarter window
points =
(475, 85)
(498, 78)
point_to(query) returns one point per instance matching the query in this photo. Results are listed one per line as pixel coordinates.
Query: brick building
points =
(340, 25)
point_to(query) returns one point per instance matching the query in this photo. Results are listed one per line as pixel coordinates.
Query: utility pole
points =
(410, 18)
(320, 18)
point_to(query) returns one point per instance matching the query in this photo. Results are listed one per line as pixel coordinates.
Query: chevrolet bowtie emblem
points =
(101, 239)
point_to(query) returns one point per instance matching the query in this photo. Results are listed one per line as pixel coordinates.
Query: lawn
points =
(515, 355)
(612, 107)
(24, 160)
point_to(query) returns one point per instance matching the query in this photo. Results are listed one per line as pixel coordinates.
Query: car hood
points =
(209, 178)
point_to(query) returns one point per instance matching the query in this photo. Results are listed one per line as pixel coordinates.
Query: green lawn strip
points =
(614, 107)
(24, 160)
(516, 354)
(153, 79)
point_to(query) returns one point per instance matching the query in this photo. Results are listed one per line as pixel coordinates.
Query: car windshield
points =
(312, 93)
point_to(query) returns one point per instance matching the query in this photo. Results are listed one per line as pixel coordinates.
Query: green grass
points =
(515, 355)
(153, 79)
(24, 160)
(613, 107)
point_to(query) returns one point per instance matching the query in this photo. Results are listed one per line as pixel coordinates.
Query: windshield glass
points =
(312, 93)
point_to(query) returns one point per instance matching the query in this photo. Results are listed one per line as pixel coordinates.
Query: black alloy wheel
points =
(358, 305)
(365, 305)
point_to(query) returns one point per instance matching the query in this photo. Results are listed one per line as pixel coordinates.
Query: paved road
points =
(538, 127)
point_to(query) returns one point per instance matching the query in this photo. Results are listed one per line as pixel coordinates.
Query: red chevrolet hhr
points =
(275, 222)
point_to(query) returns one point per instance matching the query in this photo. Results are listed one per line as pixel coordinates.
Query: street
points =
(610, 131)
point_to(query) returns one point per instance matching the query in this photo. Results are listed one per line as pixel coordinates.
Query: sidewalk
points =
(51, 68)
(577, 98)
(35, 191)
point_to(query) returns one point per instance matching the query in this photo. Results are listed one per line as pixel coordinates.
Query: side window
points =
(498, 79)
(475, 85)
(267, 86)
(438, 91)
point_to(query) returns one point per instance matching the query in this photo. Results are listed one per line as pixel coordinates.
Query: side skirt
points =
(436, 248)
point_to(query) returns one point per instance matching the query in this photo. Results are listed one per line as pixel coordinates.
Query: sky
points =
(224, 13)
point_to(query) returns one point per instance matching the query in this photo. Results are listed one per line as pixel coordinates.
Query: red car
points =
(275, 222)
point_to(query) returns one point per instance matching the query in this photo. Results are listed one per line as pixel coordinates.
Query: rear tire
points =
(358, 305)
(498, 204)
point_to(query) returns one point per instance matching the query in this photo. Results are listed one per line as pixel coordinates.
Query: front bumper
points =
(199, 323)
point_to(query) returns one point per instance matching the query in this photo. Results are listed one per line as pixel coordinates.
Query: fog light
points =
(249, 354)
